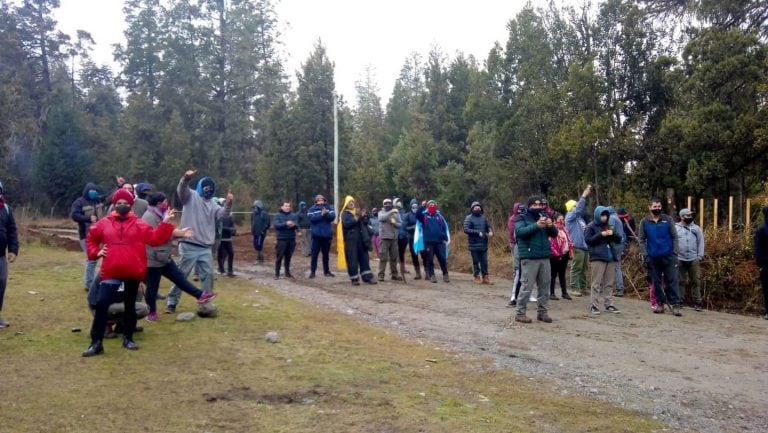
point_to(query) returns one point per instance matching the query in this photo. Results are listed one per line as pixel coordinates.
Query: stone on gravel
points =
(185, 317)
(208, 309)
(272, 337)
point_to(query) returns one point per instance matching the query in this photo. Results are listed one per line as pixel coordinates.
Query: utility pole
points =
(336, 156)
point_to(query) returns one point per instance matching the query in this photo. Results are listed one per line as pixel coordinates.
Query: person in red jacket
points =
(120, 239)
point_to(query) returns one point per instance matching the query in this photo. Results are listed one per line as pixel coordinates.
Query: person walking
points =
(9, 246)
(602, 238)
(690, 240)
(260, 224)
(321, 215)
(657, 236)
(389, 227)
(479, 231)
(286, 224)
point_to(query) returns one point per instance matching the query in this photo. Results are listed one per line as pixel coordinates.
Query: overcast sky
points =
(356, 33)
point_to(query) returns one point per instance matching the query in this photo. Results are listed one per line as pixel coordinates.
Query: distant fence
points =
(712, 216)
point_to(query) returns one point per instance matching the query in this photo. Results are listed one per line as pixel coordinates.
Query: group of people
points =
(133, 239)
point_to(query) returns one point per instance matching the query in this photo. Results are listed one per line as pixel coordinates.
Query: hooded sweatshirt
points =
(575, 224)
(602, 248)
(200, 214)
(474, 226)
(84, 207)
(260, 222)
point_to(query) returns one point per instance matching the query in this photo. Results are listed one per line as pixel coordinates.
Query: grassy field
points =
(330, 372)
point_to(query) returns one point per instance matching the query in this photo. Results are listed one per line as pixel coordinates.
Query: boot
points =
(487, 280)
(478, 280)
(260, 258)
(543, 317)
(96, 348)
(402, 268)
(418, 273)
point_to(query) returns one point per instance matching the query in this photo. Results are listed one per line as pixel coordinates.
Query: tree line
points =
(632, 96)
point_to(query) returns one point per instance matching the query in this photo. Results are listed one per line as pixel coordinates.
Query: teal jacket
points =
(533, 241)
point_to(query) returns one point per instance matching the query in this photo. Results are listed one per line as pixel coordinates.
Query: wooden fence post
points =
(748, 221)
(701, 213)
(714, 214)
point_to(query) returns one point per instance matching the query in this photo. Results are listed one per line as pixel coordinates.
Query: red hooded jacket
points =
(125, 239)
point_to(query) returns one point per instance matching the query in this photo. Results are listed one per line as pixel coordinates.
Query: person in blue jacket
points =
(321, 215)
(435, 232)
(657, 236)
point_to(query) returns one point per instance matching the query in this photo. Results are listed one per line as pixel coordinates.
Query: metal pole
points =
(336, 157)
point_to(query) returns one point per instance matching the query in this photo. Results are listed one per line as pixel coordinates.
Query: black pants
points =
(433, 249)
(320, 245)
(284, 252)
(666, 266)
(357, 262)
(107, 292)
(174, 274)
(558, 265)
(479, 262)
(764, 283)
(225, 252)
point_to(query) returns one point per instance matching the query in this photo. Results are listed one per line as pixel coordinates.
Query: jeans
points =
(320, 245)
(283, 253)
(194, 257)
(107, 291)
(479, 262)
(414, 254)
(3, 278)
(225, 252)
(690, 271)
(433, 249)
(174, 274)
(603, 275)
(579, 270)
(667, 266)
(536, 273)
(258, 242)
(90, 266)
(558, 267)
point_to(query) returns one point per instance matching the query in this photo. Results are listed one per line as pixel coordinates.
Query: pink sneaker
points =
(152, 317)
(205, 297)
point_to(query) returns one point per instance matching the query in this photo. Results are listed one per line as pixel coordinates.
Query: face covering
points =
(414, 207)
(122, 209)
(535, 213)
(162, 207)
(387, 207)
(687, 220)
(656, 212)
(93, 195)
(476, 211)
(432, 209)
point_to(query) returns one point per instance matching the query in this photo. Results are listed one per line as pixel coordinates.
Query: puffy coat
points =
(281, 225)
(602, 248)
(474, 226)
(125, 239)
(260, 222)
(532, 240)
(321, 224)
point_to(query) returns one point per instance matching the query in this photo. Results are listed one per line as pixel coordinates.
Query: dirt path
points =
(704, 371)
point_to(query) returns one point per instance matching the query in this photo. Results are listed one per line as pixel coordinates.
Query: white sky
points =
(356, 33)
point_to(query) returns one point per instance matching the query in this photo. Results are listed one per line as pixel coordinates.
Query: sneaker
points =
(522, 318)
(697, 307)
(553, 297)
(619, 294)
(512, 303)
(277, 277)
(594, 311)
(658, 309)
(218, 273)
(543, 317)
(567, 296)
(4, 323)
(205, 297)
(446, 279)
(329, 274)
(478, 279)
(612, 309)
(152, 317)
(170, 309)
(676, 311)
(231, 274)
(433, 279)
(532, 298)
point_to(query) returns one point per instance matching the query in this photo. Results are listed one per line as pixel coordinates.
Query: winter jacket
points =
(474, 226)
(561, 244)
(374, 224)
(690, 242)
(260, 222)
(83, 208)
(227, 228)
(602, 248)
(657, 239)
(125, 239)
(761, 242)
(434, 227)
(511, 224)
(618, 228)
(200, 214)
(283, 232)
(532, 241)
(9, 237)
(158, 256)
(302, 218)
(408, 217)
(574, 223)
(321, 224)
(389, 223)
(356, 233)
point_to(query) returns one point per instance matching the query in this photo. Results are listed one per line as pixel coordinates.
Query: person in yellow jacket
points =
(353, 241)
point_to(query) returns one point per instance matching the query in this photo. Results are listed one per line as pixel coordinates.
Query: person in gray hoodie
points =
(200, 215)
(389, 226)
(479, 230)
(690, 243)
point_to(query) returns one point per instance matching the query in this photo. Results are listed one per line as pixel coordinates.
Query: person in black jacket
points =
(478, 229)
(356, 240)
(602, 240)
(9, 246)
(761, 256)
(321, 215)
(286, 224)
(259, 226)
(225, 247)
(86, 210)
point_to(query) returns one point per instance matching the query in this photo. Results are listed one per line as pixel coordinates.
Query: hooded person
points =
(405, 236)
(120, 241)
(200, 214)
(432, 237)
(603, 240)
(353, 241)
(260, 224)
(86, 210)
(9, 246)
(478, 230)
(321, 215)
(761, 257)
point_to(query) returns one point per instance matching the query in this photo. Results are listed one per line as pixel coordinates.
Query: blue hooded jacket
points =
(602, 248)
(575, 224)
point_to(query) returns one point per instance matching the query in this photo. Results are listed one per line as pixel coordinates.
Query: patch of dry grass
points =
(330, 373)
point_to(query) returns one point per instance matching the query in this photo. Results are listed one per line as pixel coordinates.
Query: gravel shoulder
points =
(705, 371)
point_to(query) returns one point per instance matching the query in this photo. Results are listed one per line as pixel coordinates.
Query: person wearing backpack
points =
(690, 242)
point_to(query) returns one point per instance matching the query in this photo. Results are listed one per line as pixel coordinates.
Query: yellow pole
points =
(701, 213)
